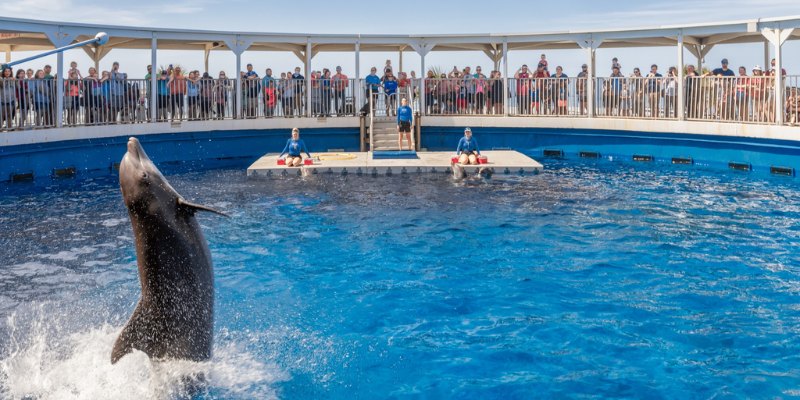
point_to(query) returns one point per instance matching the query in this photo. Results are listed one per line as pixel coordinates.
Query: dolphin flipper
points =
(133, 336)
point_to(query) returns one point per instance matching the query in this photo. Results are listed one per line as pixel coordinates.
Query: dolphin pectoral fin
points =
(133, 336)
(197, 207)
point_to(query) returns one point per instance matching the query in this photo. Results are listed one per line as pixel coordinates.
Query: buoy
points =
(308, 161)
(281, 161)
(483, 160)
(454, 160)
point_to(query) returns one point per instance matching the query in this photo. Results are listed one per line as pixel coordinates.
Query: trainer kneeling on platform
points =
(468, 150)
(294, 148)
(405, 116)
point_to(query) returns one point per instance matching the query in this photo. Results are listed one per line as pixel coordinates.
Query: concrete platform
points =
(501, 162)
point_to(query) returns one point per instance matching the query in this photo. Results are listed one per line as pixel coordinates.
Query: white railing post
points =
(422, 89)
(153, 79)
(777, 37)
(60, 89)
(681, 102)
(238, 46)
(506, 100)
(357, 87)
(590, 45)
(308, 79)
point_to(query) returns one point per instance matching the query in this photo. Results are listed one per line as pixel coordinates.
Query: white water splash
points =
(39, 362)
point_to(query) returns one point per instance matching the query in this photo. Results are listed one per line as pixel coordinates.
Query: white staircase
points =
(383, 129)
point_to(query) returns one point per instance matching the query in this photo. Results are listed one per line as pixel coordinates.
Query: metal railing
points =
(636, 97)
(459, 96)
(32, 103)
(553, 97)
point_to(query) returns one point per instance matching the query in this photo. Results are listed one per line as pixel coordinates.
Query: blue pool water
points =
(594, 279)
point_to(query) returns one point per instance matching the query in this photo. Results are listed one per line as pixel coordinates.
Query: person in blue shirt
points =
(405, 116)
(293, 150)
(390, 90)
(373, 82)
(468, 150)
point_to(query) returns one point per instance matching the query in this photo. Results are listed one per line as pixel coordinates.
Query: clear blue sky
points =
(412, 17)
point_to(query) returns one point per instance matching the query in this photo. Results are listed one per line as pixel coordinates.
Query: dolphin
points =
(174, 318)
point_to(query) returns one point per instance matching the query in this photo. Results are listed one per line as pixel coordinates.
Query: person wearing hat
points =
(293, 150)
(692, 89)
(758, 94)
(467, 150)
(726, 89)
(581, 88)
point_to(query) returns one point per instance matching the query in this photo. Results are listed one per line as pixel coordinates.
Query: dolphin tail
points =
(133, 336)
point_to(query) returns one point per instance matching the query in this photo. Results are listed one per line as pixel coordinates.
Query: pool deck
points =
(506, 162)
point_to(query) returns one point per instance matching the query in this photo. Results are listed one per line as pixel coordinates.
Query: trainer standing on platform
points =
(405, 116)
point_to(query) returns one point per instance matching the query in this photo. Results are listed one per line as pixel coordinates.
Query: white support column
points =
(153, 78)
(422, 49)
(422, 77)
(777, 37)
(505, 77)
(59, 39)
(590, 45)
(357, 92)
(400, 63)
(681, 102)
(8, 54)
(238, 46)
(308, 79)
(766, 54)
(206, 54)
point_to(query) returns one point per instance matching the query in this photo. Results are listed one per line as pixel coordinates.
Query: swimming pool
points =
(592, 279)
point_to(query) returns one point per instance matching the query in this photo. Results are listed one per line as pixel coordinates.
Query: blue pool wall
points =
(242, 147)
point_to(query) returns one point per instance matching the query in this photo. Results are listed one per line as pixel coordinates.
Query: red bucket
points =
(454, 160)
(308, 161)
(483, 160)
(281, 161)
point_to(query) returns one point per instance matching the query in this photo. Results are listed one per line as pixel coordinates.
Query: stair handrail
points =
(371, 122)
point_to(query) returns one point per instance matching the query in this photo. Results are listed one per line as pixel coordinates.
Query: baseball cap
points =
(724, 60)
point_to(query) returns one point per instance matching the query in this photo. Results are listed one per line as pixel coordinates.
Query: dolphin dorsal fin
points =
(198, 207)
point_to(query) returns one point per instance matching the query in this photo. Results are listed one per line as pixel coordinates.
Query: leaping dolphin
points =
(175, 315)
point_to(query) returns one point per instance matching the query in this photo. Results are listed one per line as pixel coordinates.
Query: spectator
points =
(325, 88)
(770, 101)
(73, 67)
(340, 85)
(163, 102)
(636, 91)
(299, 85)
(373, 83)
(29, 74)
(615, 63)
(538, 97)
(692, 88)
(192, 95)
(316, 94)
(543, 60)
(496, 96)
(758, 92)
(47, 72)
(270, 93)
(41, 91)
(468, 90)
(671, 93)
(793, 106)
(430, 93)
(72, 93)
(561, 90)
(8, 98)
(23, 101)
(522, 77)
(771, 71)
(390, 90)
(613, 92)
(580, 88)
(92, 97)
(286, 89)
(221, 89)
(387, 67)
(251, 87)
(177, 89)
(116, 92)
(481, 88)
(653, 90)
(725, 102)
(148, 84)
(742, 100)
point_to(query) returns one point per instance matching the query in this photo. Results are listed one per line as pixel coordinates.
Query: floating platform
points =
(501, 162)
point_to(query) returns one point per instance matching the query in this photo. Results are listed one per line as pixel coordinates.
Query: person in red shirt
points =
(523, 90)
